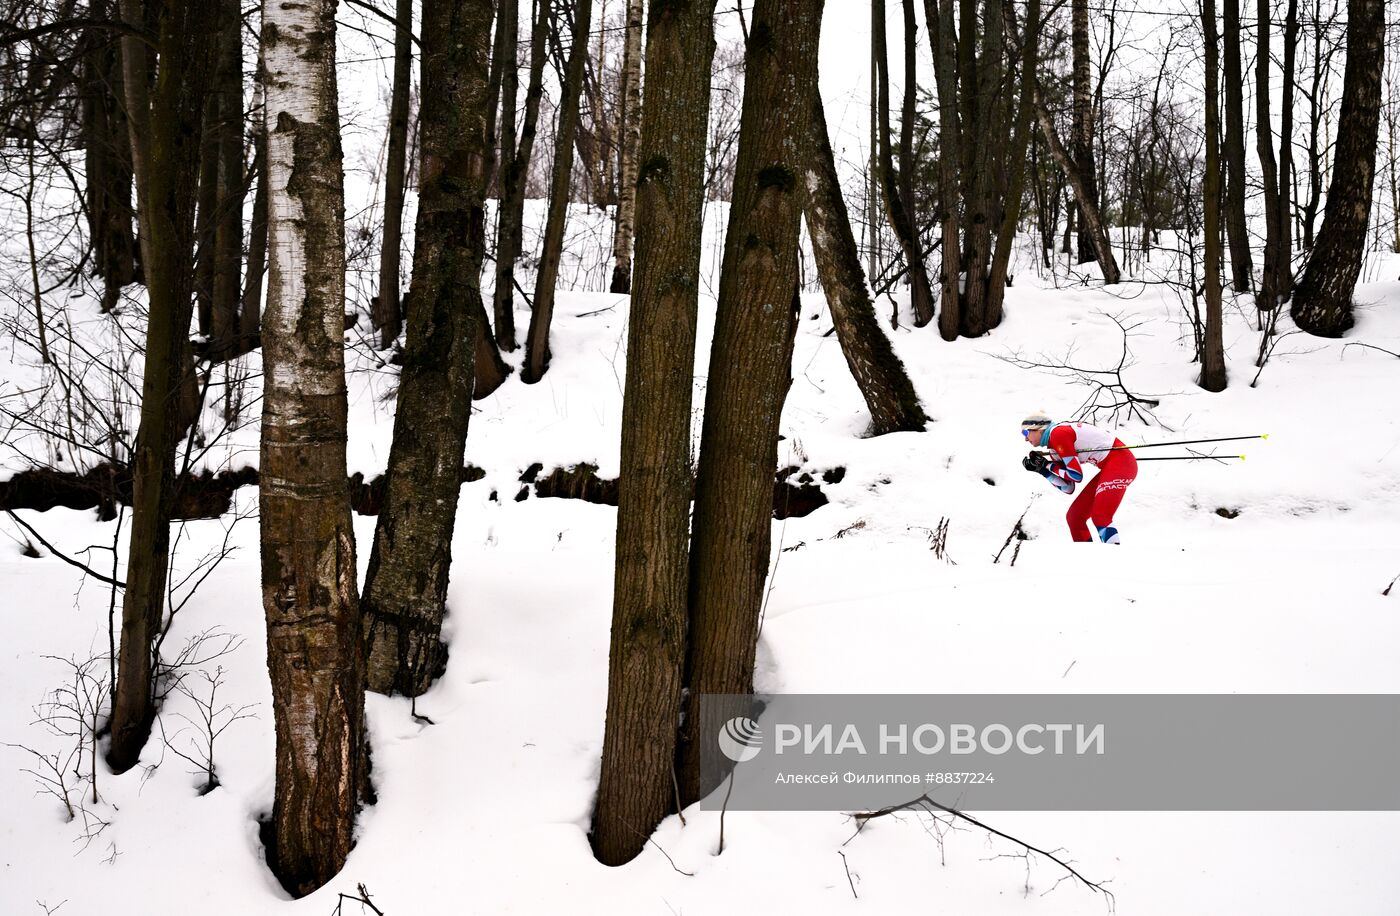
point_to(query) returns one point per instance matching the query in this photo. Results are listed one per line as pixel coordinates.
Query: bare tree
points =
(308, 544)
(631, 135)
(405, 595)
(647, 650)
(889, 394)
(387, 312)
(542, 316)
(1322, 302)
(1213, 349)
(165, 144)
(1241, 264)
(898, 207)
(515, 170)
(750, 369)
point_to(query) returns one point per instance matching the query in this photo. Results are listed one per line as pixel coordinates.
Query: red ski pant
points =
(1100, 497)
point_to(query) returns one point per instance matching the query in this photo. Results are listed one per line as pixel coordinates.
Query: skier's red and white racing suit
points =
(1099, 500)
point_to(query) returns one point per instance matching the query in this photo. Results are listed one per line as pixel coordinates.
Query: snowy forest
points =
(409, 410)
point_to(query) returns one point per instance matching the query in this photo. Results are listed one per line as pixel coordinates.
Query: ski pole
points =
(1119, 448)
(1194, 458)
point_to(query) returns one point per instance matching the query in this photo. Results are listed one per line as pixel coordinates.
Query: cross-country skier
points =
(1069, 444)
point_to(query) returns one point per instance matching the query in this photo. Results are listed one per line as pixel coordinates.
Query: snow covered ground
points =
(486, 810)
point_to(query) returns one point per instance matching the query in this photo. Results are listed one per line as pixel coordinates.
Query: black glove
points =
(1035, 462)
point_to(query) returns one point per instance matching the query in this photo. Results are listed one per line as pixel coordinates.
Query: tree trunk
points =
(982, 147)
(165, 147)
(1284, 287)
(1212, 344)
(1322, 302)
(897, 208)
(1241, 265)
(943, 40)
(227, 251)
(250, 319)
(1266, 299)
(750, 368)
(308, 544)
(647, 649)
(631, 134)
(509, 227)
(537, 338)
(387, 310)
(889, 394)
(405, 596)
(1087, 210)
(1016, 159)
(1084, 130)
(107, 154)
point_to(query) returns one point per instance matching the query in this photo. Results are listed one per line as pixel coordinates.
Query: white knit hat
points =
(1035, 421)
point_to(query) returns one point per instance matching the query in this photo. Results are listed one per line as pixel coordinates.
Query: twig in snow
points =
(848, 874)
(925, 803)
(62, 556)
(1016, 532)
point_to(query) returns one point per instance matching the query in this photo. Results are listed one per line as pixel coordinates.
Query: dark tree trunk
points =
(107, 154)
(250, 319)
(898, 209)
(647, 650)
(226, 255)
(405, 594)
(1212, 343)
(387, 309)
(943, 40)
(1284, 288)
(1241, 264)
(1322, 302)
(308, 544)
(165, 145)
(1266, 299)
(889, 394)
(750, 368)
(207, 202)
(542, 316)
(1022, 127)
(514, 171)
(1084, 129)
(631, 135)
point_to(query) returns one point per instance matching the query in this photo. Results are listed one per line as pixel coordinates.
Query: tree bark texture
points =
(1241, 263)
(542, 315)
(889, 394)
(1212, 344)
(750, 368)
(387, 310)
(1084, 126)
(938, 15)
(405, 596)
(165, 141)
(250, 318)
(630, 137)
(646, 654)
(227, 252)
(515, 170)
(1322, 302)
(308, 545)
(1266, 297)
